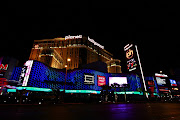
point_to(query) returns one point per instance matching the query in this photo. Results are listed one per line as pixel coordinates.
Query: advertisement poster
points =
(162, 82)
(131, 57)
(117, 80)
(173, 82)
(22, 75)
(161, 79)
(101, 80)
(88, 79)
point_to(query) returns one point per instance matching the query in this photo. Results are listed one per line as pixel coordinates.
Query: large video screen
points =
(118, 80)
(161, 81)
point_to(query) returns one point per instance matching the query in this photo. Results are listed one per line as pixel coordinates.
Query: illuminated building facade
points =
(80, 49)
(7, 65)
(40, 75)
(113, 66)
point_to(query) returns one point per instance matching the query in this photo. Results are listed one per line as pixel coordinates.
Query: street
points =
(140, 111)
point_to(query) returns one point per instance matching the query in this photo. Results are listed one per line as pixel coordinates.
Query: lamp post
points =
(68, 60)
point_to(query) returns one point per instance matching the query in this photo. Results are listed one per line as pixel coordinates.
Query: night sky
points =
(153, 26)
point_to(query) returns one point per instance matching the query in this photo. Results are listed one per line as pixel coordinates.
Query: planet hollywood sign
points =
(80, 36)
(95, 43)
(130, 57)
(3, 67)
(73, 37)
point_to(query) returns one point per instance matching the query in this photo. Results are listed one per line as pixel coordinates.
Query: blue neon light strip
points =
(128, 92)
(50, 90)
(34, 89)
(30, 89)
(82, 91)
(69, 91)
(11, 90)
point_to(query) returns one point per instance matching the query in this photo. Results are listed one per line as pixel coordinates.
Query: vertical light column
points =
(141, 71)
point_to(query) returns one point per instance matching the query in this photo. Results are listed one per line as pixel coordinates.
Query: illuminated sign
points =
(88, 79)
(95, 43)
(22, 75)
(175, 89)
(3, 67)
(151, 83)
(101, 80)
(36, 46)
(173, 82)
(164, 89)
(161, 79)
(127, 47)
(80, 36)
(29, 64)
(117, 80)
(73, 37)
(130, 56)
(160, 75)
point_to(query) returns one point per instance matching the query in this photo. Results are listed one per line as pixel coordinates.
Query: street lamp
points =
(68, 60)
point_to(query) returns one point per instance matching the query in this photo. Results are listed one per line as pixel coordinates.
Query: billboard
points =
(173, 82)
(151, 83)
(88, 79)
(161, 79)
(25, 72)
(101, 80)
(22, 75)
(130, 57)
(118, 80)
(3, 69)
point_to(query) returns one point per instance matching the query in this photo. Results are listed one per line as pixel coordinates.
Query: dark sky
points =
(153, 26)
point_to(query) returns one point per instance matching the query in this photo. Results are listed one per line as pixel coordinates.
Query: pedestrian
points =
(116, 97)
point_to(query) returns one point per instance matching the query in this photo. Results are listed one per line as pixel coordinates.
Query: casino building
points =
(81, 50)
(36, 75)
(89, 69)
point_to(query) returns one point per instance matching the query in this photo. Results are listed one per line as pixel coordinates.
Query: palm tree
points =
(115, 85)
(106, 88)
(124, 87)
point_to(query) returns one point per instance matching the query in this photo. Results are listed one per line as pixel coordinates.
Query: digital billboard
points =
(130, 57)
(173, 82)
(161, 79)
(24, 77)
(118, 80)
(88, 79)
(101, 80)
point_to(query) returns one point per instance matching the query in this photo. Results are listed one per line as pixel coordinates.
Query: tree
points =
(106, 88)
(124, 87)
